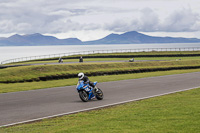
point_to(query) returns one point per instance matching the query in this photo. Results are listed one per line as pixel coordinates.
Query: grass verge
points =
(126, 55)
(14, 87)
(178, 112)
(50, 72)
(130, 54)
(109, 59)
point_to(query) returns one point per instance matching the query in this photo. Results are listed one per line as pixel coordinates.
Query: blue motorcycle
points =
(87, 92)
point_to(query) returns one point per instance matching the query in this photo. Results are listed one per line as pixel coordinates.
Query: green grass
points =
(169, 58)
(53, 60)
(174, 113)
(149, 53)
(110, 59)
(179, 112)
(34, 72)
(138, 53)
(14, 87)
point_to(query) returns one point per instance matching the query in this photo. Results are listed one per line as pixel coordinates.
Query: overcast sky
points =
(94, 19)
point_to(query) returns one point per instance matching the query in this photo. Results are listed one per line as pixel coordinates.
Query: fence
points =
(98, 52)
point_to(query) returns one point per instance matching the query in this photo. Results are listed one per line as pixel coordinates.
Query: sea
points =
(10, 52)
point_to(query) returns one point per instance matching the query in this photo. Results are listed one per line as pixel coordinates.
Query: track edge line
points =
(88, 109)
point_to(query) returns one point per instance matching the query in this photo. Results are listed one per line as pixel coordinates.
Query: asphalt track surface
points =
(33, 105)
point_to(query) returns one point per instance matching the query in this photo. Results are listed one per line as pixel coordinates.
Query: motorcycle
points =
(86, 92)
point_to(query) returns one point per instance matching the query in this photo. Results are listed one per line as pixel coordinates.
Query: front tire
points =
(83, 96)
(99, 94)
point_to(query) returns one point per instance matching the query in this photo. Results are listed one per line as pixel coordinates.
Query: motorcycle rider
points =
(86, 80)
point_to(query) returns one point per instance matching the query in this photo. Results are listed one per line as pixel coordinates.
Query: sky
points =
(94, 19)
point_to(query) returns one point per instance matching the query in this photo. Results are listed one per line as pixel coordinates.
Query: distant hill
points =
(132, 37)
(135, 37)
(36, 39)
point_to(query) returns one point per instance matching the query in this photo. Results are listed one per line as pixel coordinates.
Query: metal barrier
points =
(98, 52)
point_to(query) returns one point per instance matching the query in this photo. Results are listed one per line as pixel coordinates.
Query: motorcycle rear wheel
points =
(99, 94)
(83, 96)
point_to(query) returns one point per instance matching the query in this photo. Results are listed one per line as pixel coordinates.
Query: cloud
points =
(149, 21)
(181, 21)
(62, 16)
(24, 17)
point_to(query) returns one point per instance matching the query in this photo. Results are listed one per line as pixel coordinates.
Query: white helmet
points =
(80, 76)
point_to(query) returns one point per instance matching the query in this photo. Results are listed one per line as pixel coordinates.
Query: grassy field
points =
(136, 53)
(179, 112)
(14, 87)
(17, 74)
(175, 53)
(111, 59)
(176, 113)
(151, 53)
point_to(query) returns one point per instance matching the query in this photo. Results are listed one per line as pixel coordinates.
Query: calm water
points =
(24, 51)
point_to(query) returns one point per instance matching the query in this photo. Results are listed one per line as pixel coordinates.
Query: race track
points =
(27, 106)
(56, 63)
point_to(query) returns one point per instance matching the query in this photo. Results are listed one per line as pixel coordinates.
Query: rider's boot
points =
(96, 90)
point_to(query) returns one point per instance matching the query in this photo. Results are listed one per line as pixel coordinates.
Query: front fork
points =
(91, 94)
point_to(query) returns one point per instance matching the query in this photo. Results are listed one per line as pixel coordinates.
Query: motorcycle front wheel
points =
(99, 94)
(83, 96)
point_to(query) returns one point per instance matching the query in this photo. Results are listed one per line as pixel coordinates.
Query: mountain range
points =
(36, 40)
(132, 37)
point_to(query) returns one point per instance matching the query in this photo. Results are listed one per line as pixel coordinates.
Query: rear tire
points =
(99, 94)
(83, 96)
